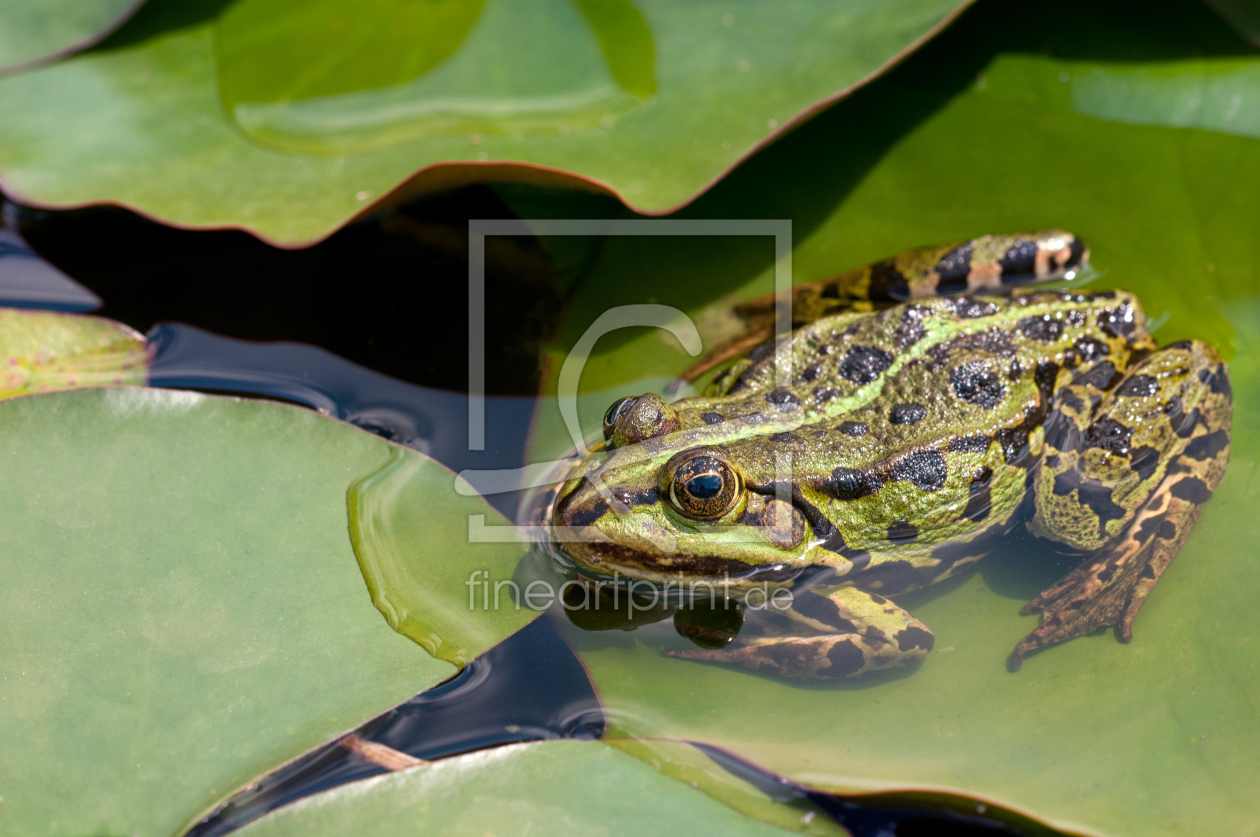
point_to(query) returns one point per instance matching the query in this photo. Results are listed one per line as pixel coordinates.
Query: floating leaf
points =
(42, 351)
(788, 808)
(182, 609)
(574, 788)
(1095, 735)
(141, 121)
(423, 593)
(32, 31)
(1215, 94)
(322, 46)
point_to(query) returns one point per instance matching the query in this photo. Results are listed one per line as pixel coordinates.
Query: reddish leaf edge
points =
(78, 46)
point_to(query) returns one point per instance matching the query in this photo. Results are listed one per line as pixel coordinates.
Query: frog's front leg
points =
(825, 634)
(1128, 480)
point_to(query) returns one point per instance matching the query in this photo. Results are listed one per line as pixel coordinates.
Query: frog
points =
(917, 412)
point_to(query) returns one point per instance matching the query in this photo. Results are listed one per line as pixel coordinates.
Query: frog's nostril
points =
(646, 417)
(615, 412)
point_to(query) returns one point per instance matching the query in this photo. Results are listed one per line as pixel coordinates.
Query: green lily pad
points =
(555, 787)
(34, 32)
(1093, 736)
(1215, 94)
(182, 608)
(652, 101)
(438, 600)
(44, 351)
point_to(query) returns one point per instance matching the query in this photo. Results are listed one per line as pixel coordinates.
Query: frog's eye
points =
(618, 409)
(703, 486)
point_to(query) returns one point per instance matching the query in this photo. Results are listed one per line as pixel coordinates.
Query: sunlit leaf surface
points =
(181, 607)
(42, 351)
(978, 133)
(574, 788)
(37, 30)
(289, 118)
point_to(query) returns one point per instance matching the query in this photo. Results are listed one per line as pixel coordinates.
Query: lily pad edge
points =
(443, 176)
(78, 46)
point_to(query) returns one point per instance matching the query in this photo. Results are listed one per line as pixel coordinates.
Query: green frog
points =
(912, 419)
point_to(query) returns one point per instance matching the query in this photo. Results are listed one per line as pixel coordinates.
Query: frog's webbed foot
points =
(844, 632)
(1109, 589)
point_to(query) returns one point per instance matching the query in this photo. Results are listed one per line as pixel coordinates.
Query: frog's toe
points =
(1110, 589)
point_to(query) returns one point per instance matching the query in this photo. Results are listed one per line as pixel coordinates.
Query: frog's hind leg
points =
(843, 632)
(1135, 480)
(991, 264)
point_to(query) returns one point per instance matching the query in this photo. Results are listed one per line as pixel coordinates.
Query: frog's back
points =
(980, 347)
(918, 423)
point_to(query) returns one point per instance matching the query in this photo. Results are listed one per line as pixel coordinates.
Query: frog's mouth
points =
(608, 560)
(578, 539)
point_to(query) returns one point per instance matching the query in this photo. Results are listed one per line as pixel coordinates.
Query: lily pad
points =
(182, 608)
(1093, 736)
(651, 101)
(439, 600)
(43, 351)
(556, 787)
(34, 32)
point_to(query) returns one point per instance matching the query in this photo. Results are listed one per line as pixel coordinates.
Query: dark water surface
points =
(432, 421)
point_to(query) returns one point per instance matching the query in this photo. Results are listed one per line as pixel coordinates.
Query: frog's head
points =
(664, 500)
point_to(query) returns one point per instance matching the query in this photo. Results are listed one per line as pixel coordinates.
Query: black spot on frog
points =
(853, 428)
(783, 398)
(1138, 386)
(1109, 434)
(906, 413)
(863, 364)
(978, 384)
(1044, 328)
(927, 469)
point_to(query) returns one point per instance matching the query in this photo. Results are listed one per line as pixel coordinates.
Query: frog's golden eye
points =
(618, 409)
(702, 485)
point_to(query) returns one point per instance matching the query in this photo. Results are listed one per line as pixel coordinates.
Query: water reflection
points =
(27, 281)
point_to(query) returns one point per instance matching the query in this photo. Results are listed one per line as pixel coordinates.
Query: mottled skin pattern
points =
(990, 263)
(891, 449)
